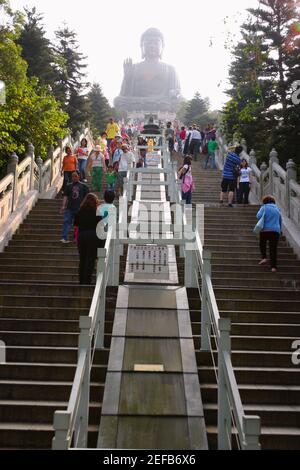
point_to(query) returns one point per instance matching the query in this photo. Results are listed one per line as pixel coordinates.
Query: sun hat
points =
(97, 148)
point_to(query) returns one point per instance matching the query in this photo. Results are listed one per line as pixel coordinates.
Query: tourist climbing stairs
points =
(264, 309)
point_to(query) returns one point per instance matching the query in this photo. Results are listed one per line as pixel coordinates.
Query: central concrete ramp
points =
(152, 395)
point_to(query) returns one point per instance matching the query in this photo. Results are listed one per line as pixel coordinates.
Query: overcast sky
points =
(195, 35)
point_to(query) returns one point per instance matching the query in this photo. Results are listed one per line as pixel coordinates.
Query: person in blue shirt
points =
(231, 174)
(271, 230)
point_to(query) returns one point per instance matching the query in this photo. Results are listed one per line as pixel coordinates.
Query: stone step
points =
(272, 438)
(255, 375)
(256, 283)
(255, 343)
(34, 390)
(256, 394)
(39, 278)
(260, 294)
(55, 339)
(52, 313)
(267, 305)
(38, 412)
(47, 371)
(44, 250)
(39, 271)
(259, 358)
(55, 290)
(53, 260)
(235, 266)
(254, 316)
(63, 354)
(250, 305)
(281, 330)
(271, 415)
(44, 301)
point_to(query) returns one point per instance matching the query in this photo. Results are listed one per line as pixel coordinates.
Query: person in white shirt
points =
(82, 154)
(96, 164)
(244, 183)
(125, 162)
(195, 142)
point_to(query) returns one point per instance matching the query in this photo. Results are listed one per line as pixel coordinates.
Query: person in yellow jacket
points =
(112, 129)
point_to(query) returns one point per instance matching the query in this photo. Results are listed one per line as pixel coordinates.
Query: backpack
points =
(187, 183)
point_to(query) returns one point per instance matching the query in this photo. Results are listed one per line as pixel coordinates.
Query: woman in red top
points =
(69, 165)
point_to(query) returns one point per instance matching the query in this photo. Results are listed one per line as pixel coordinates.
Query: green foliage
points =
(265, 64)
(36, 49)
(99, 109)
(30, 113)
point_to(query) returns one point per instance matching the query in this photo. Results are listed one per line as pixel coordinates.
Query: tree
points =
(70, 85)
(195, 108)
(99, 109)
(36, 49)
(266, 62)
(30, 112)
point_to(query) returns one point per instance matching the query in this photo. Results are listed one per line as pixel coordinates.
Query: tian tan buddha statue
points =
(150, 85)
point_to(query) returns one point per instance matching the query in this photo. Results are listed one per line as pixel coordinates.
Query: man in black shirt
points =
(73, 197)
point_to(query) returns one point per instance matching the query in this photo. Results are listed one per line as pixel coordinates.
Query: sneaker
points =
(84, 181)
(230, 205)
(64, 241)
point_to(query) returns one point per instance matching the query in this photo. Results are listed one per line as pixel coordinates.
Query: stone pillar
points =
(291, 175)
(51, 156)
(263, 168)
(60, 144)
(39, 163)
(244, 145)
(273, 159)
(252, 159)
(12, 167)
(30, 153)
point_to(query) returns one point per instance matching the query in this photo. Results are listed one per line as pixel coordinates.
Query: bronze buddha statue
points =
(150, 85)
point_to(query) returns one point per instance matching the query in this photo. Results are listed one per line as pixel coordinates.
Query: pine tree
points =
(99, 109)
(69, 66)
(195, 108)
(265, 65)
(36, 49)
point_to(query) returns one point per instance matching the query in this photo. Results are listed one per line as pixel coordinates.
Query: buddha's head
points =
(152, 44)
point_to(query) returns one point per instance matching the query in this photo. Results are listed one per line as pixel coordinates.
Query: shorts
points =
(228, 184)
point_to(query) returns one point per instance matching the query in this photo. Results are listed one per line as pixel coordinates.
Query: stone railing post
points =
(30, 153)
(252, 159)
(61, 154)
(39, 163)
(291, 175)
(263, 168)
(273, 159)
(224, 416)
(244, 145)
(12, 167)
(51, 156)
(205, 315)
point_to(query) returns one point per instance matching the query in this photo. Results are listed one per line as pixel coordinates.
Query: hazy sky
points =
(195, 34)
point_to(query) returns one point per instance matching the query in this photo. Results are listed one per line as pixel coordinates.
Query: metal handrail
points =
(71, 426)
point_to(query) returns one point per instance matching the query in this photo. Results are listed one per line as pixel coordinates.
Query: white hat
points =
(97, 148)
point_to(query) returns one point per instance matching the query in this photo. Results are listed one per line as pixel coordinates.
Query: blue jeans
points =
(68, 222)
(212, 158)
(187, 197)
(81, 167)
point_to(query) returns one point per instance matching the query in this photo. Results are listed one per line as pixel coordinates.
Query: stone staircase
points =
(265, 312)
(40, 304)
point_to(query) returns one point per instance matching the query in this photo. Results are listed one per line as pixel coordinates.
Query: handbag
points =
(260, 224)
